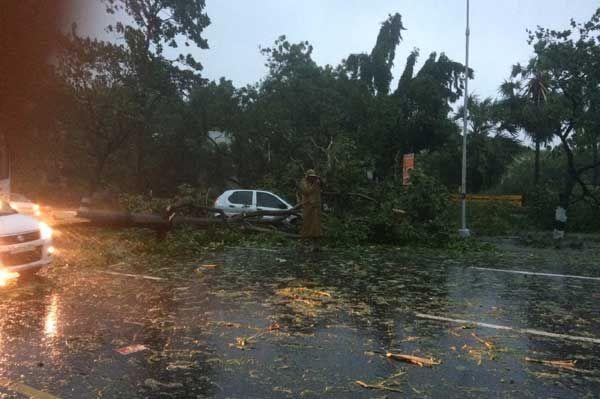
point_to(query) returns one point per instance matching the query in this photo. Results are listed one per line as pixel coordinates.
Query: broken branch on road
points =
(562, 364)
(419, 361)
(162, 224)
(376, 386)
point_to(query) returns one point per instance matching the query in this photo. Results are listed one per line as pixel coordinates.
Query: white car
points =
(247, 201)
(25, 243)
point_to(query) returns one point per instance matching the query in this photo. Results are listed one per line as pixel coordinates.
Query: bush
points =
(142, 204)
(519, 174)
(540, 203)
(346, 231)
(584, 216)
(418, 213)
(427, 203)
(496, 218)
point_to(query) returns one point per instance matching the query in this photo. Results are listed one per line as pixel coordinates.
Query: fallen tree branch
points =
(563, 364)
(351, 194)
(376, 386)
(127, 219)
(257, 214)
(189, 204)
(164, 223)
(419, 361)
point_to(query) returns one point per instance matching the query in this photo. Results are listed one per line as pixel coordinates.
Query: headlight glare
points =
(45, 231)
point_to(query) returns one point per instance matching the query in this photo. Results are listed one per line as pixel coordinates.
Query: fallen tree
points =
(259, 221)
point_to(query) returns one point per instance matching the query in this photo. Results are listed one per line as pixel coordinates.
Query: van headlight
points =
(45, 231)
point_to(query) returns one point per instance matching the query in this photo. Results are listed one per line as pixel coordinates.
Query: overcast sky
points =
(337, 28)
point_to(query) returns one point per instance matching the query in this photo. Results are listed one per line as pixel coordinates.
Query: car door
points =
(266, 201)
(240, 201)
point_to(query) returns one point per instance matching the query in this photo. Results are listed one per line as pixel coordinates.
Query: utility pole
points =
(464, 231)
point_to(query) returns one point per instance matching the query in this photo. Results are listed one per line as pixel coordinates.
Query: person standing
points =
(310, 189)
(560, 221)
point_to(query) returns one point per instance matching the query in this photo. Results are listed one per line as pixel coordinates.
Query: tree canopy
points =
(135, 114)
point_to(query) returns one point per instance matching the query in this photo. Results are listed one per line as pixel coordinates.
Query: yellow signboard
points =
(514, 199)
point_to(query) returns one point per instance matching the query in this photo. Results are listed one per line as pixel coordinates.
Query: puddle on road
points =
(260, 324)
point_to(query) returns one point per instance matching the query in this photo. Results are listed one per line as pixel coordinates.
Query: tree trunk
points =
(561, 212)
(595, 156)
(97, 178)
(140, 178)
(565, 195)
(536, 168)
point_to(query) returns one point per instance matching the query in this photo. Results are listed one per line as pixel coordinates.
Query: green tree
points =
(147, 27)
(153, 24)
(99, 111)
(526, 100)
(492, 143)
(570, 59)
(420, 108)
(375, 70)
(302, 114)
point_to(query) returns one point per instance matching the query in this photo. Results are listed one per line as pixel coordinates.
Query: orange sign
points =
(408, 164)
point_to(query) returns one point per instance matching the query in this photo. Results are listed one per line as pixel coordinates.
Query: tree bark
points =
(595, 161)
(536, 168)
(97, 178)
(565, 197)
(140, 178)
(166, 221)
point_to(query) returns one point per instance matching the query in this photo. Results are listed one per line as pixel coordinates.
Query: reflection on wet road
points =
(259, 324)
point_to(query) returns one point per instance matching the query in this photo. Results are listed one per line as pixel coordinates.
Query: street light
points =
(464, 231)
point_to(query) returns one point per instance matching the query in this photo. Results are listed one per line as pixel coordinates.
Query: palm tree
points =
(492, 141)
(526, 99)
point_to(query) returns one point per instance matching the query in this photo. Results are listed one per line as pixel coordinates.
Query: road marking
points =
(528, 331)
(133, 275)
(489, 269)
(25, 390)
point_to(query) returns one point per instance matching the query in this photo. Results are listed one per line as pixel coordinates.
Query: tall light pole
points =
(464, 231)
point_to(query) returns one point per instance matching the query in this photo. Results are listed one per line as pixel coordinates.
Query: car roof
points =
(248, 189)
(229, 192)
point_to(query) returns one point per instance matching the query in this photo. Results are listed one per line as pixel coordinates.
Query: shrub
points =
(584, 216)
(142, 204)
(496, 218)
(540, 203)
(417, 213)
(346, 231)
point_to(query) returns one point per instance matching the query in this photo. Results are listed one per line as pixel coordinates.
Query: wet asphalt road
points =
(243, 323)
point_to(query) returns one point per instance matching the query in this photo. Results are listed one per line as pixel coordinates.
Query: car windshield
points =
(5, 208)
